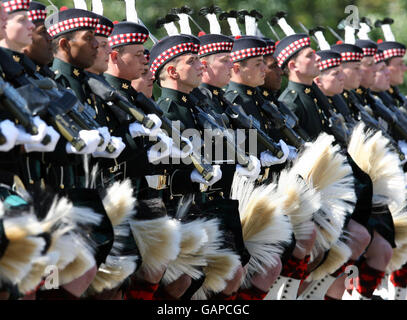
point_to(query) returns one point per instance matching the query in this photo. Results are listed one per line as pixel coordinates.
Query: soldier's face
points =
(381, 78)
(102, 58)
(352, 74)
(83, 48)
(218, 69)
(367, 69)
(253, 72)
(307, 63)
(145, 83)
(331, 81)
(131, 61)
(3, 22)
(190, 70)
(397, 68)
(273, 74)
(19, 30)
(40, 51)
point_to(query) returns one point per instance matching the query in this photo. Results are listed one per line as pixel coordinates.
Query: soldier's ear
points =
(172, 72)
(64, 45)
(113, 55)
(236, 68)
(204, 63)
(291, 65)
(318, 81)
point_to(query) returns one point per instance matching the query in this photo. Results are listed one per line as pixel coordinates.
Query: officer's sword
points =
(307, 31)
(337, 36)
(274, 31)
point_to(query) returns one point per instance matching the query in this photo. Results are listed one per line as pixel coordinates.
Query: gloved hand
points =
(217, 175)
(138, 130)
(161, 150)
(292, 153)
(39, 147)
(267, 159)
(176, 153)
(104, 132)
(25, 138)
(118, 143)
(403, 146)
(91, 139)
(252, 174)
(10, 132)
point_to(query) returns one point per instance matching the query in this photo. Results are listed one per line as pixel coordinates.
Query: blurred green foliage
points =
(310, 13)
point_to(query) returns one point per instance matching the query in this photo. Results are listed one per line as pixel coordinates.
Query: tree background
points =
(310, 13)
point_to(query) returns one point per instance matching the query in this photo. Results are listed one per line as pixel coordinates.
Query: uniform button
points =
(89, 101)
(323, 121)
(221, 194)
(292, 91)
(210, 198)
(107, 118)
(316, 100)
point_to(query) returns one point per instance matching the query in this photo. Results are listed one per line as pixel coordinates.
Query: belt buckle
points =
(114, 169)
(157, 182)
(162, 182)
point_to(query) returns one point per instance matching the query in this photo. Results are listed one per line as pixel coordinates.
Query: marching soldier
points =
(214, 53)
(247, 74)
(331, 82)
(271, 89)
(178, 75)
(127, 63)
(392, 53)
(145, 83)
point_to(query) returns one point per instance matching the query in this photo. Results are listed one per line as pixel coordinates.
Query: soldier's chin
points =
(88, 64)
(260, 83)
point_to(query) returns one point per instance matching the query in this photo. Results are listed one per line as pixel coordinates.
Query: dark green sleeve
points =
(180, 173)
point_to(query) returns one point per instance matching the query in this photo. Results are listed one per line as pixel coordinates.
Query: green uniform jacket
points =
(301, 100)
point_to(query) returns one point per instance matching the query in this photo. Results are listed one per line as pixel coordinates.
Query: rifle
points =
(59, 104)
(17, 106)
(209, 120)
(374, 124)
(150, 107)
(401, 98)
(58, 117)
(292, 118)
(111, 95)
(283, 123)
(82, 114)
(399, 121)
(241, 120)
